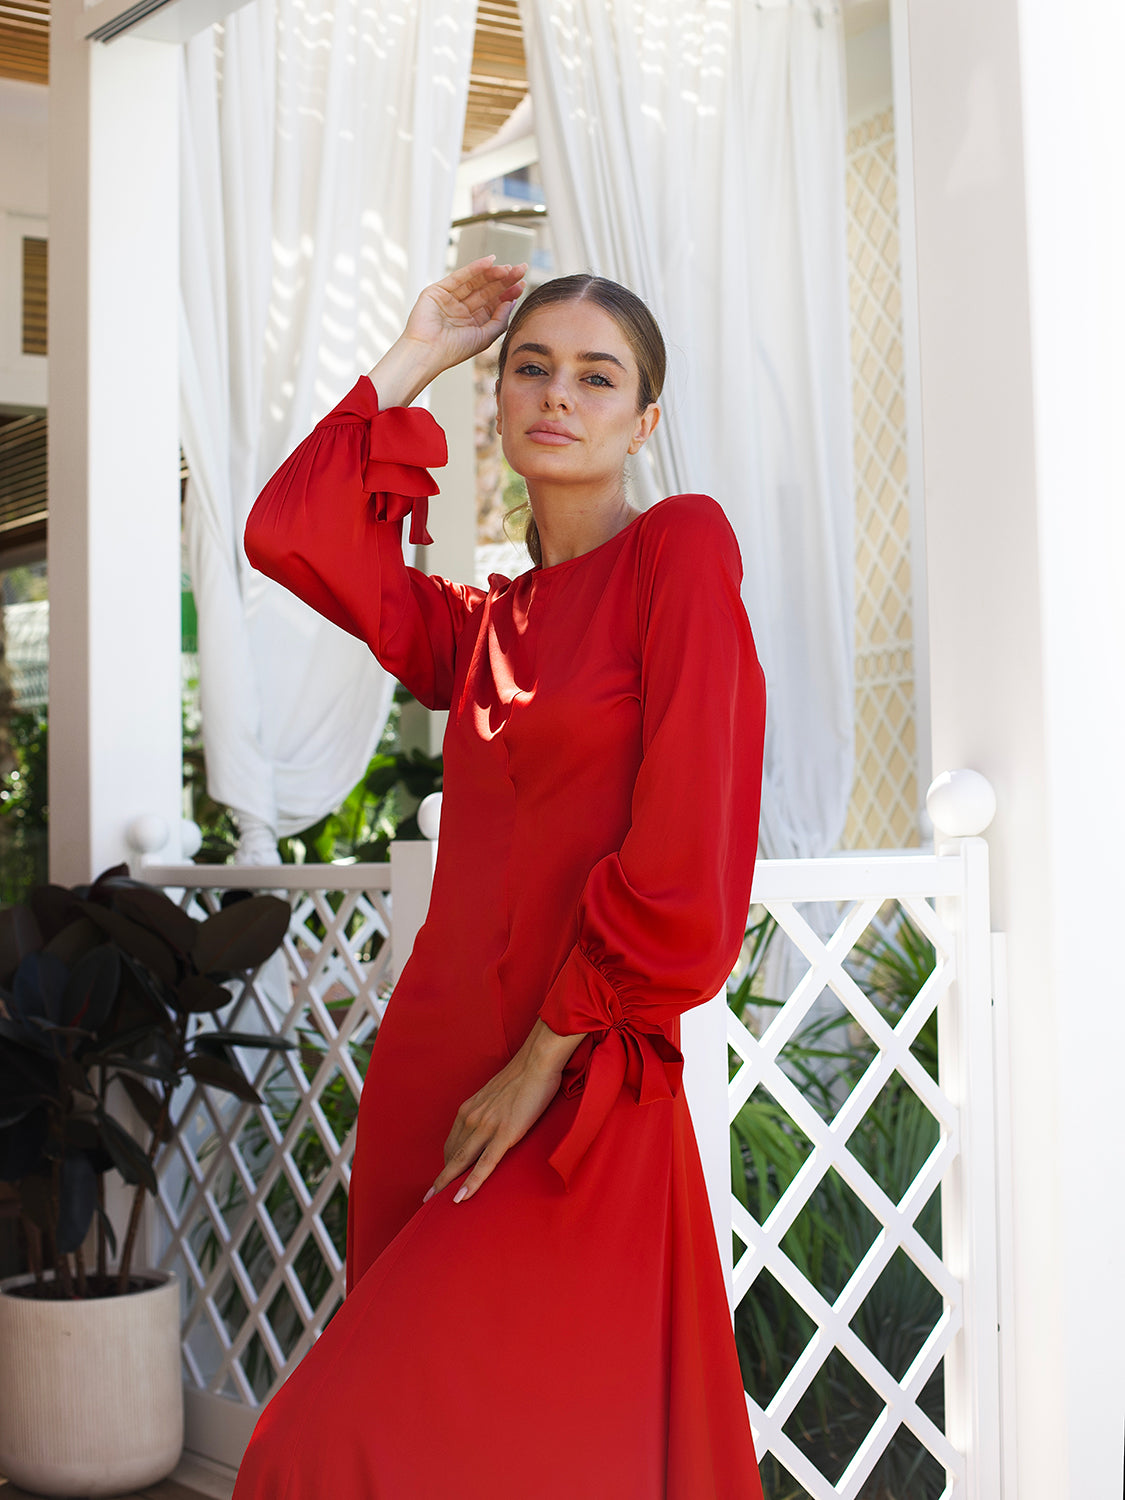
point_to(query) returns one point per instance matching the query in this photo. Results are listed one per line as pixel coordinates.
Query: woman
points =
(535, 1306)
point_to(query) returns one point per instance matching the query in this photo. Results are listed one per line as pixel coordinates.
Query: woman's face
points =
(567, 404)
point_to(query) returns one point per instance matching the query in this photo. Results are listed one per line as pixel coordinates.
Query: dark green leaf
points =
(38, 988)
(250, 1039)
(22, 1143)
(199, 995)
(109, 880)
(139, 1065)
(156, 911)
(128, 1157)
(55, 908)
(19, 936)
(30, 1055)
(136, 940)
(241, 936)
(147, 1105)
(74, 1075)
(73, 940)
(218, 1074)
(92, 987)
(80, 1133)
(382, 774)
(78, 1197)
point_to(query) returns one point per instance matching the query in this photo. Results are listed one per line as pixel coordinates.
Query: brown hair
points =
(637, 324)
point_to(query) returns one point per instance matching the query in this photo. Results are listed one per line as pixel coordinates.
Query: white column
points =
(1017, 122)
(1074, 127)
(113, 463)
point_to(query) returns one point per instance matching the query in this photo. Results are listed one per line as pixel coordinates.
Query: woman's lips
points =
(551, 437)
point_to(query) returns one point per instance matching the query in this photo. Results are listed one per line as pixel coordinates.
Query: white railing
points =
(876, 1368)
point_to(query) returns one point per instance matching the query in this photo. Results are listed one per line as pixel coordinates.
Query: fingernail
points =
(460, 1193)
(428, 1196)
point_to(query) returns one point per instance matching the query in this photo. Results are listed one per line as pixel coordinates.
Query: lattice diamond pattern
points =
(252, 1201)
(896, 1241)
(252, 1206)
(883, 812)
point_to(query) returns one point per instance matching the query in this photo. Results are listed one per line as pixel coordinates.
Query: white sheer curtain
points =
(320, 139)
(694, 150)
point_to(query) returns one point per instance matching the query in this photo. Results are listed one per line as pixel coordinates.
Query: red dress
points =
(564, 1334)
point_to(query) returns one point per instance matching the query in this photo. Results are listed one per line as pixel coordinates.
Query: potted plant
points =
(104, 985)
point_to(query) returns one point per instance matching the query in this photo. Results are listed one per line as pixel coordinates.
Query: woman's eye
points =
(599, 379)
(530, 369)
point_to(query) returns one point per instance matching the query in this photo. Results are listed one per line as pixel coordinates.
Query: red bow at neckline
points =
(645, 1061)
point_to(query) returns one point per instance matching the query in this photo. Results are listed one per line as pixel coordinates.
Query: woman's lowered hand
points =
(452, 320)
(501, 1113)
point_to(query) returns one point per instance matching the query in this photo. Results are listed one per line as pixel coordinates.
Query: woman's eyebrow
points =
(589, 357)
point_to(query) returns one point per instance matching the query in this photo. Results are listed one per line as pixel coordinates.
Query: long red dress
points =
(564, 1334)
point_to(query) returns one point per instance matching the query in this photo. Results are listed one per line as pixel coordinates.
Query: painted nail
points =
(460, 1193)
(428, 1196)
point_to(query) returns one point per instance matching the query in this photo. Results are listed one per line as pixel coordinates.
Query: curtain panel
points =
(695, 151)
(319, 146)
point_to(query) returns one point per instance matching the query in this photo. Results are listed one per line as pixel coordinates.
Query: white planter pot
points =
(91, 1401)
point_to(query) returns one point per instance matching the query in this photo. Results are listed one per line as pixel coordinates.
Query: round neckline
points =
(553, 569)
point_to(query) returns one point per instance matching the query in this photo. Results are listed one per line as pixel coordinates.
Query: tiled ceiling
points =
(497, 82)
(498, 77)
(23, 39)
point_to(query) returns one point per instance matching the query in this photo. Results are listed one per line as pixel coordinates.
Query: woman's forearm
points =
(451, 321)
(546, 1050)
(403, 373)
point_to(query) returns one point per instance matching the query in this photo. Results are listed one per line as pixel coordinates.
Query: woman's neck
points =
(572, 521)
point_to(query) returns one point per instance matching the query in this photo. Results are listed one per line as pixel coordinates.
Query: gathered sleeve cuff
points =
(397, 449)
(328, 527)
(617, 1053)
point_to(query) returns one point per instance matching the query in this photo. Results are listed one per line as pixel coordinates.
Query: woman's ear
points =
(646, 426)
(496, 393)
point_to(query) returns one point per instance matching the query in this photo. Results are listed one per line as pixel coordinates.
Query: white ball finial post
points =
(961, 803)
(147, 833)
(191, 838)
(429, 815)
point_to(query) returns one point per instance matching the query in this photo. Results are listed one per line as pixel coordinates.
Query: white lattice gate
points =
(862, 1151)
(868, 1240)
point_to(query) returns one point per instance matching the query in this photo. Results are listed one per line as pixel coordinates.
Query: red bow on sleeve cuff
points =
(402, 443)
(625, 1055)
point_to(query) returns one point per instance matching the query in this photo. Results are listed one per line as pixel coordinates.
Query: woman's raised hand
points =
(466, 311)
(452, 320)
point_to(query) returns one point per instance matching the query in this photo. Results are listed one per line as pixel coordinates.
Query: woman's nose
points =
(556, 394)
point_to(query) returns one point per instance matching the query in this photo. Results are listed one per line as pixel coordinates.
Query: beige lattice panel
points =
(885, 797)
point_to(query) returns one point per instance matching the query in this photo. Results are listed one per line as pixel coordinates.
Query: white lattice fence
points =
(252, 1209)
(865, 1272)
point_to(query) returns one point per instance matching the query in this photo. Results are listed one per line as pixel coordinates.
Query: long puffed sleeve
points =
(328, 526)
(661, 920)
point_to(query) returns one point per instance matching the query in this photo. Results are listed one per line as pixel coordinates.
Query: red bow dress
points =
(564, 1334)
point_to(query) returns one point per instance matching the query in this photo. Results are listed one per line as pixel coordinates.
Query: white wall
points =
(868, 70)
(113, 463)
(1073, 113)
(1017, 191)
(23, 211)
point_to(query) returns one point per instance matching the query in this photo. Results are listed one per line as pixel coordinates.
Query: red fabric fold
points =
(624, 1056)
(407, 441)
